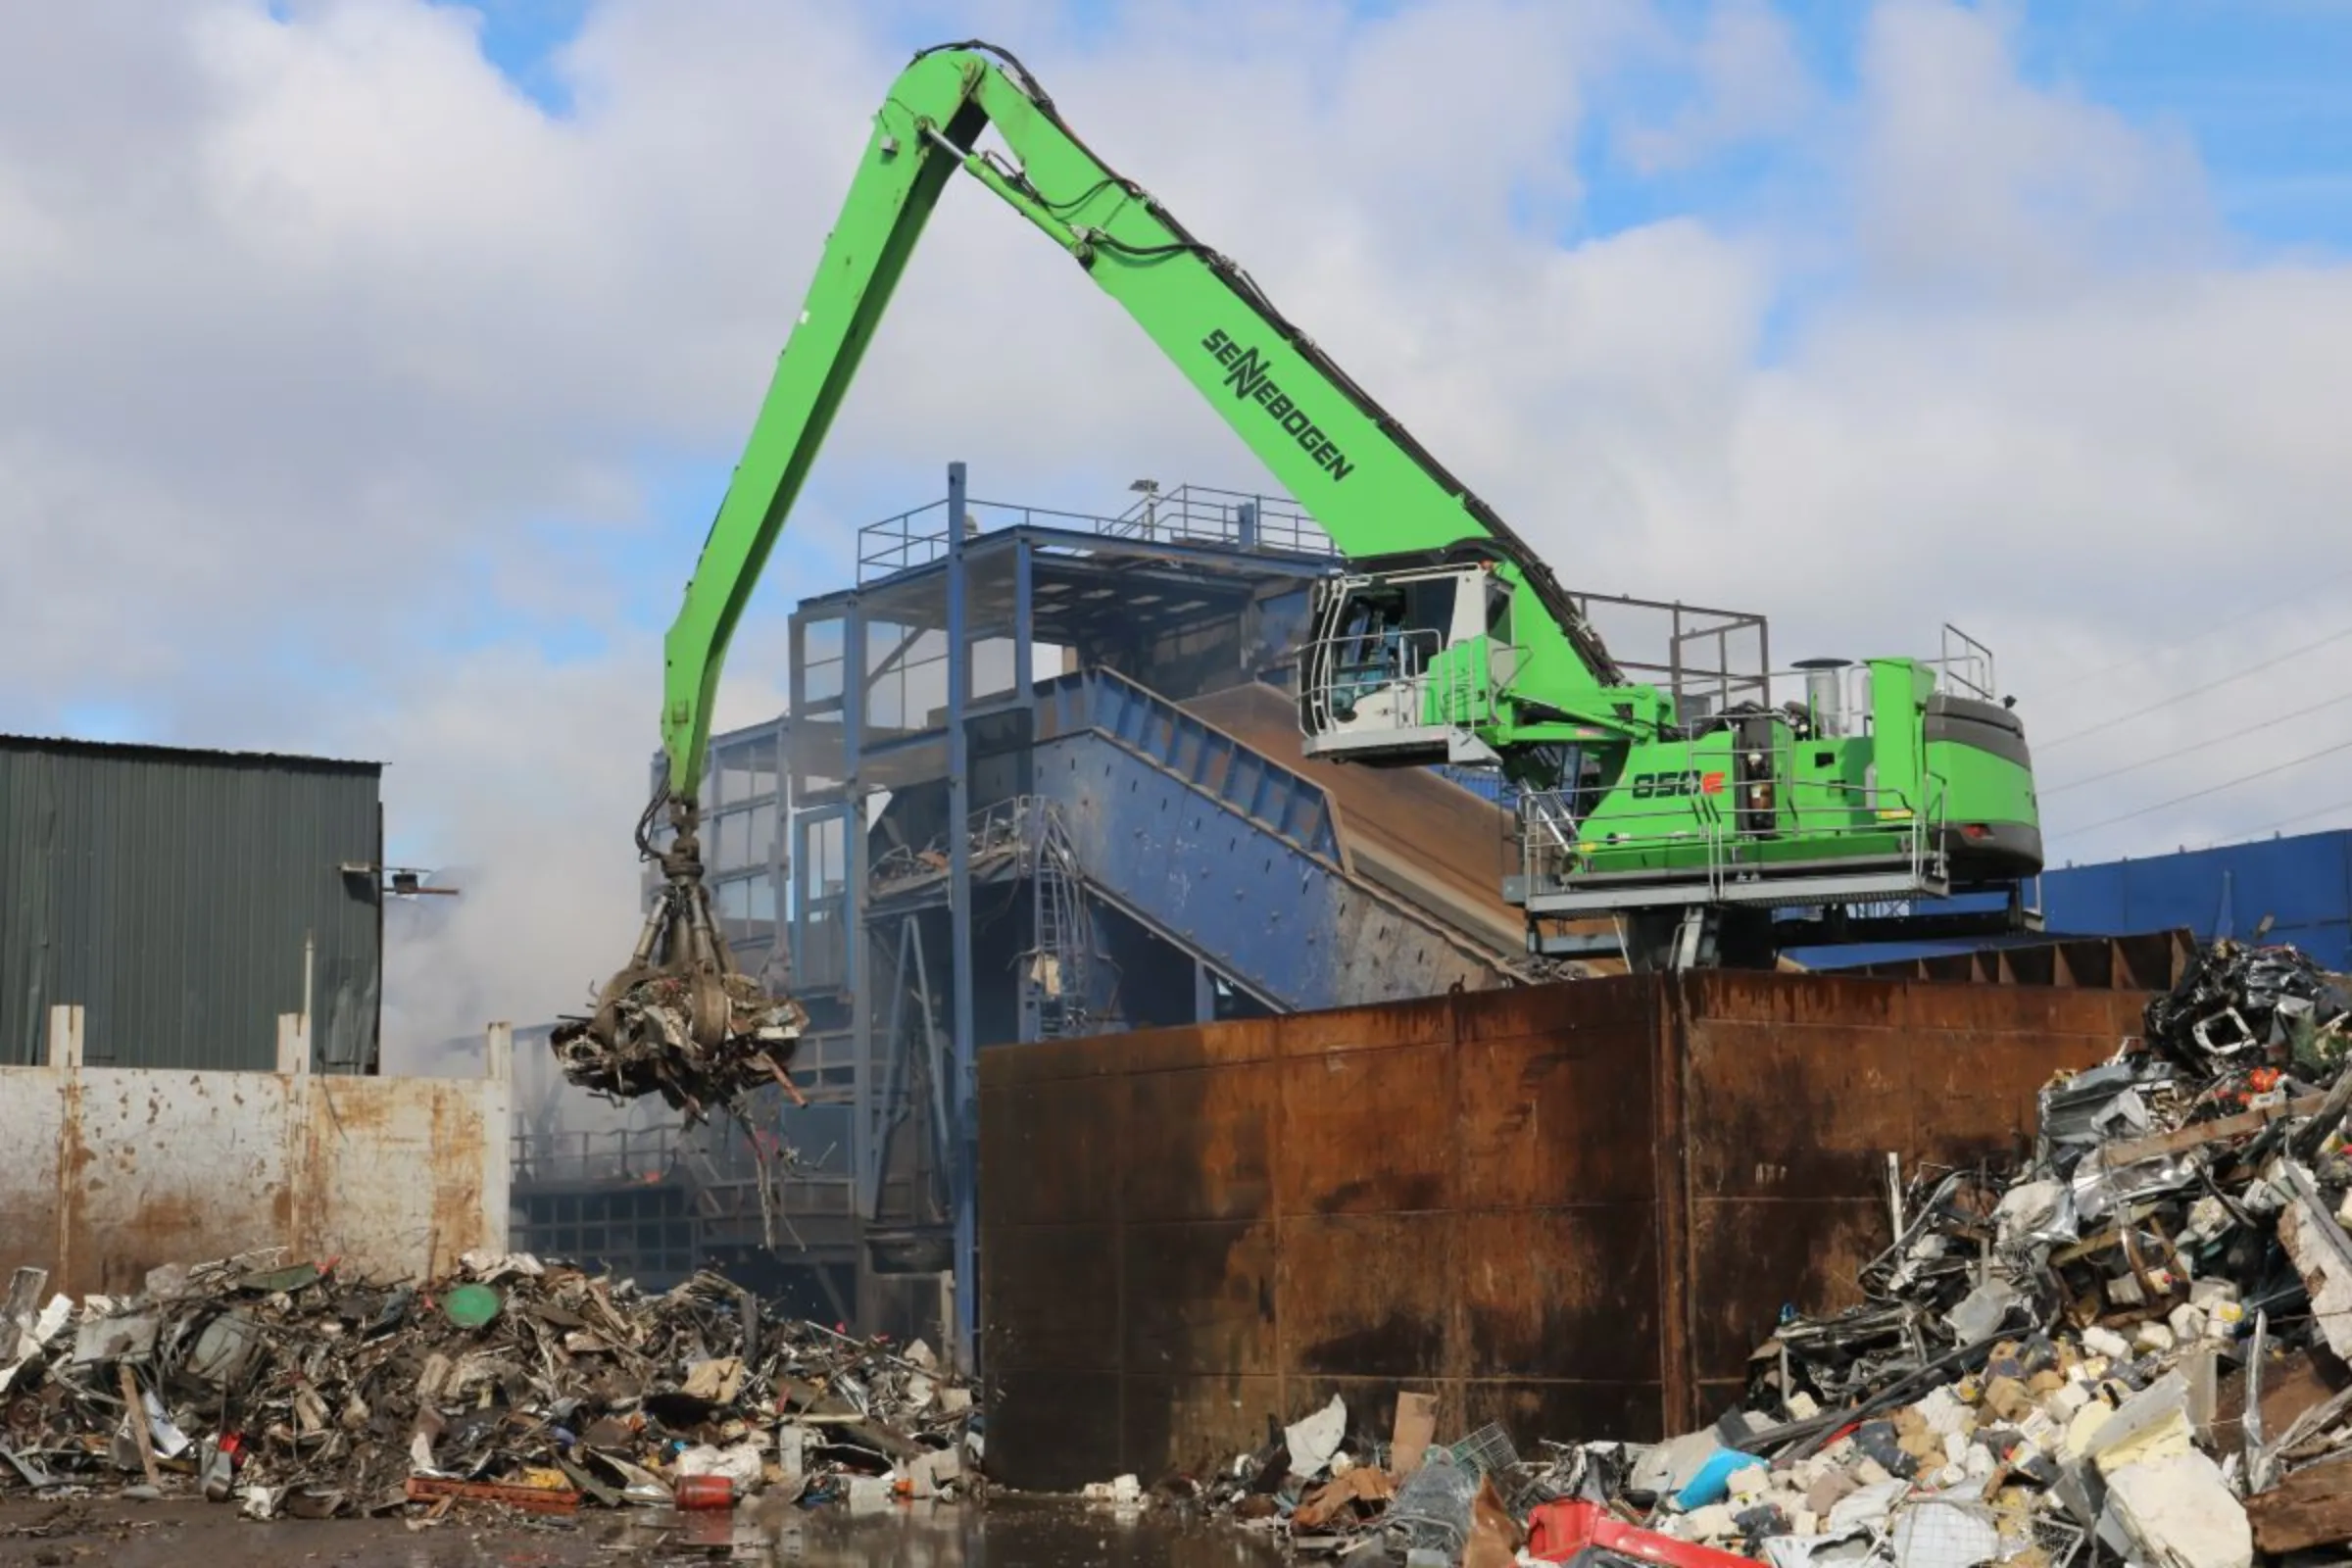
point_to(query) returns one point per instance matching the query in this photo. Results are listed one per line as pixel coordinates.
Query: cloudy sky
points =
(373, 367)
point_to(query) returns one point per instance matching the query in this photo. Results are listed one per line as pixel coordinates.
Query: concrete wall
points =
(112, 1171)
(1570, 1208)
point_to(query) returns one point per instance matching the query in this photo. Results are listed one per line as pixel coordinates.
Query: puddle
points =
(1008, 1534)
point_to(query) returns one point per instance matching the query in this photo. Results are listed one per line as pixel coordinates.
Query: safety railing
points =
(1187, 515)
(712, 1157)
(627, 1155)
(919, 537)
(1718, 658)
(1701, 835)
(910, 539)
(1554, 848)
(792, 1197)
(1194, 514)
(1965, 666)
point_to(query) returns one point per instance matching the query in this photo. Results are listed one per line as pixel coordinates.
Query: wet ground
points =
(1007, 1534)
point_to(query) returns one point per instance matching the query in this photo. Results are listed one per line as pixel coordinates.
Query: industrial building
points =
(1142, 844)
(190, 984)
(938, 855)
(201, 909)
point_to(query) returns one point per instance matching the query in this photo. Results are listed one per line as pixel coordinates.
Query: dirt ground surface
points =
(1015, 1532)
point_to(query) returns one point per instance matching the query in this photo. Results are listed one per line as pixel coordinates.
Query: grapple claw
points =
(680, 1019)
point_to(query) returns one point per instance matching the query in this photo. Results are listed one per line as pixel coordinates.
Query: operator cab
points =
(1398, 665)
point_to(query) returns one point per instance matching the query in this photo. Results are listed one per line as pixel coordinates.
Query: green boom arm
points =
(1353, 467)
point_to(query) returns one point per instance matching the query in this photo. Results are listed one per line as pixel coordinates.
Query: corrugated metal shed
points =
(185, 900)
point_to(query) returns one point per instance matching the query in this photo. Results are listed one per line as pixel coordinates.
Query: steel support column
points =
(863, 1154)
(1204, 992)
(1024, 638)
(963, 1142)
(1024, 677)
(779, 859)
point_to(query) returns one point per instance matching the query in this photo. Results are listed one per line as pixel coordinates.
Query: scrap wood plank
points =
(137, 1408)
(531, 1500)
(2312, 1508)
(1415, 1428)
(2196, 1135)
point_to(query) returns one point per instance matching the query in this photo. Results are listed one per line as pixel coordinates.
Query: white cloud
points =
(331, 351)
(1974, 182)
(1749, 81)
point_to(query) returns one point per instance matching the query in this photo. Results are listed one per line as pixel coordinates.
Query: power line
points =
(2289, 821)
(2184, 751)
(2041, 692)
(2199, 691)
(2214, 789)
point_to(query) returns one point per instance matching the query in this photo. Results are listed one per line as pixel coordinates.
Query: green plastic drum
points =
(470, 1306)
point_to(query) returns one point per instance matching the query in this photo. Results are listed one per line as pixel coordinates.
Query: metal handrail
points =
(1966, 664)
(1189, 513)
(1195, 512)
(1553, 843)
(646, 1156)
(1827, 797)
(891, 544)
(624, 1154)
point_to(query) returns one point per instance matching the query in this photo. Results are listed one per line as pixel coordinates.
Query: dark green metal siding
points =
(171, 894)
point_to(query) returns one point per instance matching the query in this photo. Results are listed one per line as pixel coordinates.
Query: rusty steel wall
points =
(1570, 1208)
(1794, 1090)
(2151, 960)
(116, 1171)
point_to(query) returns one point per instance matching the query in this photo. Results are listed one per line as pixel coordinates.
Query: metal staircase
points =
(1059, 970)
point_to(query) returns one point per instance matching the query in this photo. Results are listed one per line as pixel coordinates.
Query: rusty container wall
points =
(1570, 1208)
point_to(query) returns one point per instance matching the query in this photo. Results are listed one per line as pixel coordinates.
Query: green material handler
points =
(1446, 639)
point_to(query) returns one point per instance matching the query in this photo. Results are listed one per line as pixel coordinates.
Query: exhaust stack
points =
(1825, 694)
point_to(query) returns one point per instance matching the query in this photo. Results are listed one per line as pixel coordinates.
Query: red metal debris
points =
(1561, 1531)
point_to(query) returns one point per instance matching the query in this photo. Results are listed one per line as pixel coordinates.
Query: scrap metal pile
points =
(2132, 1350)
(298, 1390)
